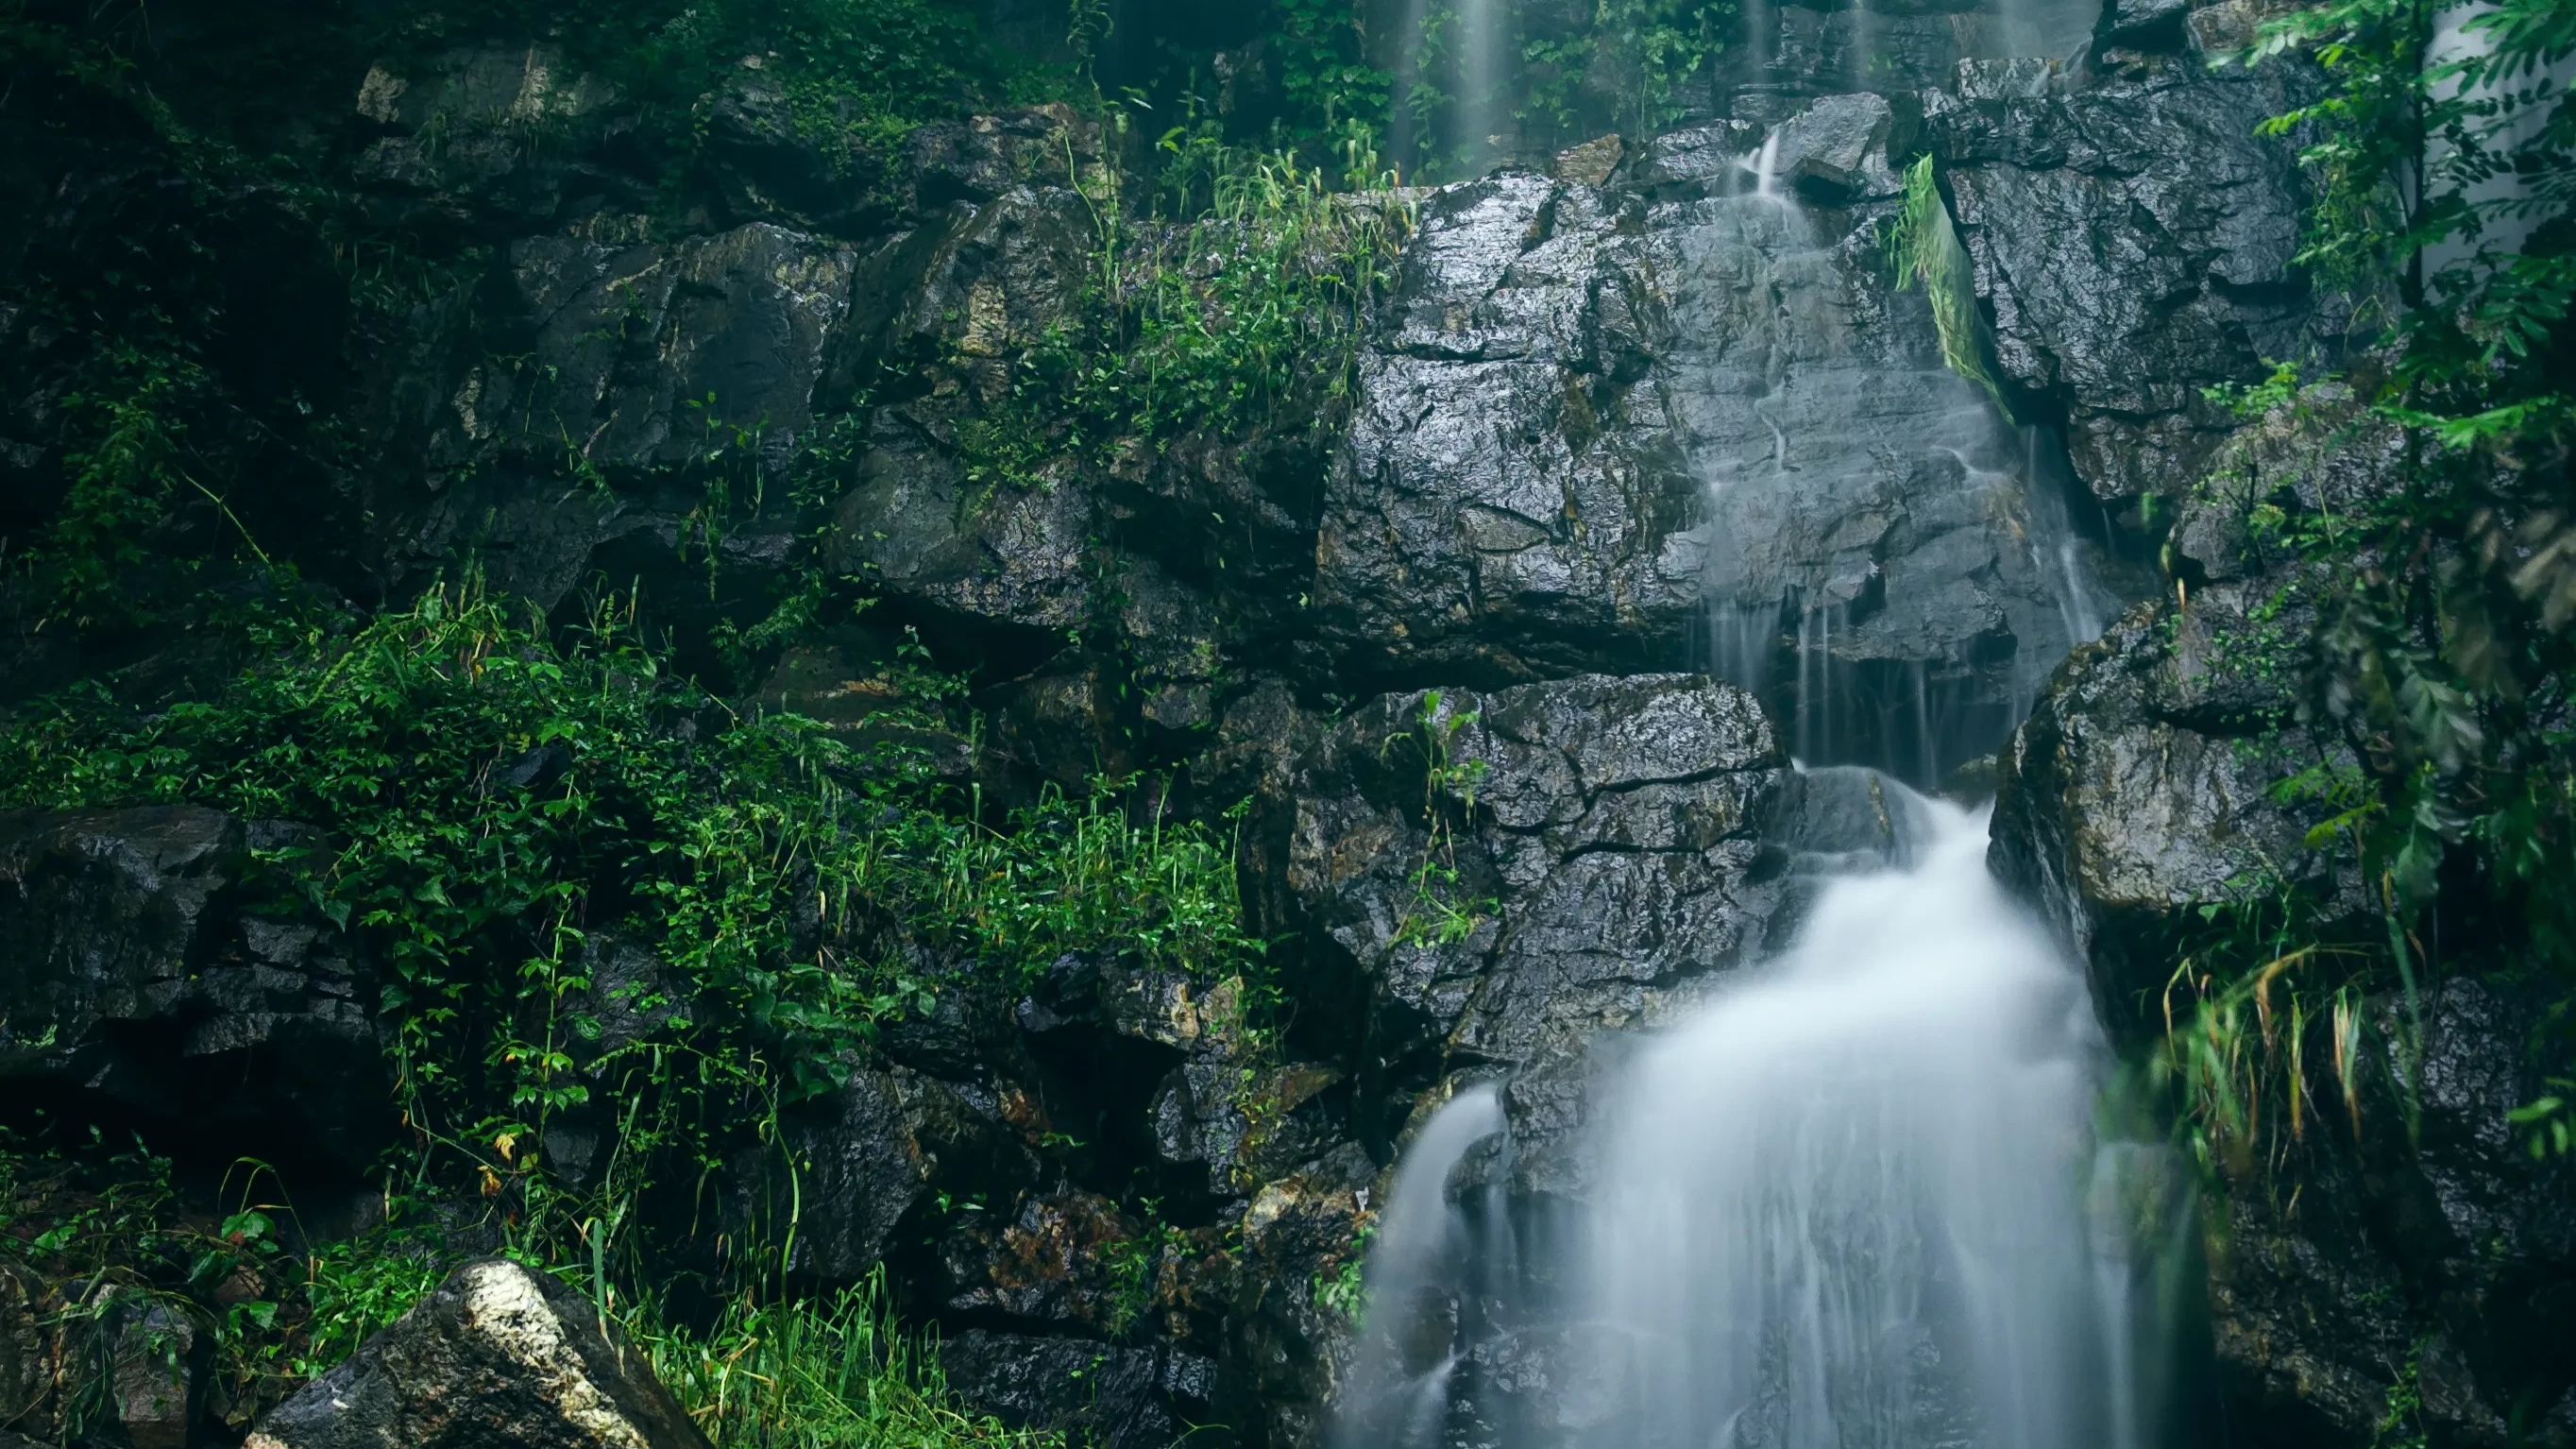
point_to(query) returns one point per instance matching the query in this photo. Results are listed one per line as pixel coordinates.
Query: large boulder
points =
(498, 1357)
(1506, 502)
(2121, 814)
(147, 973)
(1506, 874)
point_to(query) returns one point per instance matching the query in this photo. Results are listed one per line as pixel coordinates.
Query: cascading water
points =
(1483, 73)
(1852, 1201)
(1889, 562)
(1428, 1260)
(1840, 1207)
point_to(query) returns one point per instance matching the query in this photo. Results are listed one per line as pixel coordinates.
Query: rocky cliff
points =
(1646, 475)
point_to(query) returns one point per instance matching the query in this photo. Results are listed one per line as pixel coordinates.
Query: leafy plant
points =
(2445, 186)
(1235, 312)
(1436, 914)
(818, 1373)
(493, 808)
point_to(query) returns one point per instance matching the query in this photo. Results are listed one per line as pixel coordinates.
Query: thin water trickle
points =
(1483, 70)
(1427, 1253)
(1764, 163)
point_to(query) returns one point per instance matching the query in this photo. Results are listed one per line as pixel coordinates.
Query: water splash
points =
(1852, 1201)
(1764, 164)
(1837, 1207)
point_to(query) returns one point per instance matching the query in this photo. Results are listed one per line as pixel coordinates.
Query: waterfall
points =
(1890, 562)
(1425, 1249)
(1850, 1201)
(1839, 1208)
(1484, 40)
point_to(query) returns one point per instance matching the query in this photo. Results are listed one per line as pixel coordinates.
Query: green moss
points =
(1928, 254)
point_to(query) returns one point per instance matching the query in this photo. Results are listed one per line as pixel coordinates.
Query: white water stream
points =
(1852, 1202)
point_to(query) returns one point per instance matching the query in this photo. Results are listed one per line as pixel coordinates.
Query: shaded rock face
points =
(496, 1355)
(2133, 236)
(140, 982)
(2438, 1269)
(1118, 1398)
(2377, 1259)
(1598, 839)
(614, 360)
(2140, 785)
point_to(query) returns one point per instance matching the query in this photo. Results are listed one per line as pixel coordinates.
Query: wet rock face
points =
(1597, 846)
(1689, 417)
(1505, 503)
(1884, 558)
(1792, 50)
(2118, 816)
(2133, 236)
(2140, 787)
(497, 1355)
(873, 1154)
(137, 982)
(491, 141)
(2375, 1259)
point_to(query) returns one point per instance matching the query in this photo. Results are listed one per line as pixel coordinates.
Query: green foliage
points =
(121, 1268)
(822, 1373)
(855, 75)
(2445, 186)
(1571, 73)
(765, 1373)
(1243, 317)
(1344, 1289)
(1438, 912)
(1642, 52)
(2256, 1056)
(353, 1288)
(1925, 250)
(491, 802)
(2401, 1418)
(1336, 101)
